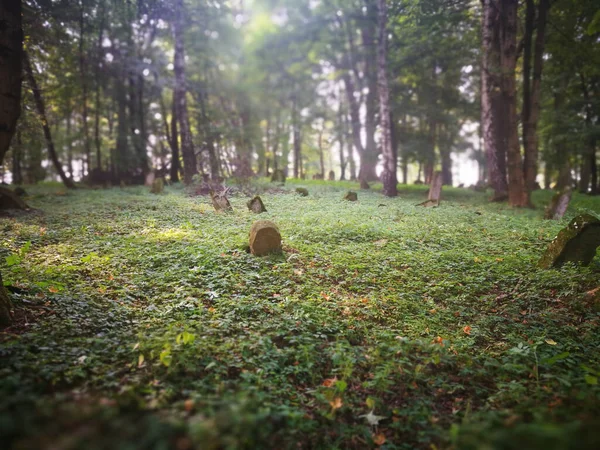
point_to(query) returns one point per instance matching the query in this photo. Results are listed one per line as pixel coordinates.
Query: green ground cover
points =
(142, 322)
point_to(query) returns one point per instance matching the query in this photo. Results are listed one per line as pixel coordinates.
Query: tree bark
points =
(11, 40)
(17, 159)
(368, 30)
(84, 89)
(174, 141)
(11, 51)
(491, 100)
(39, 102)
(180, 91)
(297, 142)
(341, 132)
(531, 93)
(389, 177)
(518, 194)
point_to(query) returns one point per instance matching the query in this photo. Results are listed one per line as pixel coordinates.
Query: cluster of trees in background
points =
(114, 90)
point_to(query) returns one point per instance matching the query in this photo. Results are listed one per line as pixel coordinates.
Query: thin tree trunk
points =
(531, 96)
(321, 154)
(69, 141)
(389, 178)
(97, 137)
(39, 102)
(17, 158)
(175, 166)
(491, 101)
(341, 132)
(180, 90)
(213, 161)
(84, 88)
(296, 139)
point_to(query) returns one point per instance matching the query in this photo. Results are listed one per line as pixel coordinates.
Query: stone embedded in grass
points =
(364, 185)
(158, 185)
(220, 201)
(10, 200)
(575, 243)
(302, 191)
(351, 196)
(256, 205)
(559, 204)
(264, 238)
(331, 175)
(278, 176)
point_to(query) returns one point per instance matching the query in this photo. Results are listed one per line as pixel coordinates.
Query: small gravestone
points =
(302, 191)
(575, 243)
(364, 185)
(220, 201)
(256, 205)
(435, 190)
(559, 204)
(331, 175)
(278, 176)
(351, 196)
(158, 185)
(264, 238)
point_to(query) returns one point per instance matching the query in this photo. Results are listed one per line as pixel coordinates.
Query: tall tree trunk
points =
(69, 140)
(174, 141)
(588, 159)
(518, 194)
(321, 154)
(209, 135)
(388, 177)
(11, 48)
(491, 100)
(11, 39)
(341, 132)
(180, 91)
(84, 88)
(296, 139)
(17, 159)
(531, 93)
(39, 102)
(97, 137)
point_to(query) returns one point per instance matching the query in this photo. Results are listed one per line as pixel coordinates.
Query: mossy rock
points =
(264, 238)
(256, 205)
(278, 176)
(158, 186)
(351, 196)
(302, 191)
(576, 243)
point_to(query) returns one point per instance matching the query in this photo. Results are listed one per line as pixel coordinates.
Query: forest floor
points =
(143, 323)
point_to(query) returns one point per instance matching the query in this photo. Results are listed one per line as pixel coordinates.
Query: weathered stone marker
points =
(158, 185)
(575, 243)
(559, 204)
(364, 185)
(302, 191)
(278, 176)
(331, 175)
(351, 196)
(256, 205)
(435, 192)
(264, 238)
(220, 201)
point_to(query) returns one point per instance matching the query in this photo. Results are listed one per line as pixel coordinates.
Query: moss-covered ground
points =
(142, 322)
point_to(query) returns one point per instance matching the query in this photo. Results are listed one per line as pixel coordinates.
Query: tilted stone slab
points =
(576, 243)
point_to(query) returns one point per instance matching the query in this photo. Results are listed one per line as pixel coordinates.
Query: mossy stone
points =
(575, 243)
(302, 191)
(264, 238)
(278, 176)
(158, 185)
(256, 205)
(351, 196)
